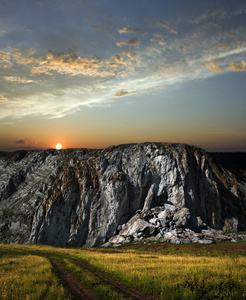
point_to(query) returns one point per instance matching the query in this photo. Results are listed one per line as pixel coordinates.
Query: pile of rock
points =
(167, 224)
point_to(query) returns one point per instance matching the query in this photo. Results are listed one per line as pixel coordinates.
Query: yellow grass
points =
(159, 274)
(29, 277)
(163, 275)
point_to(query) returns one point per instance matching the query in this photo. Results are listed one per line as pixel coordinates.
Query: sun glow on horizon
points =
(58, 146)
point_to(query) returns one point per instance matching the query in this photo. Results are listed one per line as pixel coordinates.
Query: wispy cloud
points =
(160, 87)
(20, 142)
(217, 14)
(3, 99)
(158, 40)
(168, 27)
(104, 27)
(122, 30)
(17, 79)
(124, 93)
(135, 42)
(37, 82)
(187, 48)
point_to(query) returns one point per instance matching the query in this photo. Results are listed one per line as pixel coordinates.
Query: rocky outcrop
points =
(83, 197)
(167, 223)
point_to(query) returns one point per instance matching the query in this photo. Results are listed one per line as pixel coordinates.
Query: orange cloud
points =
(159, 39)
(120, 60)
(160, 87)
(153, 49)
(220, 46)
(70, 64)
(168, 27)
(3, 99)
(131, 55)
(213, 66)
(187, 48)
(23, 57)
(17, 79)
(123, 94)
(133, 42)
(5, 57)
(131, 30)
(59, 62)
(237, 67)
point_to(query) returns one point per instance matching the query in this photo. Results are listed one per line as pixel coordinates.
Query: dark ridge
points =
(5, 153)
(231, 160)
(235, 162)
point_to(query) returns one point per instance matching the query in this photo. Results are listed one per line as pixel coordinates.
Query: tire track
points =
(75, 287)
(106, 278)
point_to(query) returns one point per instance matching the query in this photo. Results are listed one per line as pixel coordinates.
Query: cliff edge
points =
(86, 197)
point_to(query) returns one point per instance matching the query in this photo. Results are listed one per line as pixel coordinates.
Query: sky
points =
(95, 73)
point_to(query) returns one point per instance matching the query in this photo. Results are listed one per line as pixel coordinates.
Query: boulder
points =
(139, 228)
(181, 217)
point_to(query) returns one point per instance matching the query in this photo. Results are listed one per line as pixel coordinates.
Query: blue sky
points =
(96, 73)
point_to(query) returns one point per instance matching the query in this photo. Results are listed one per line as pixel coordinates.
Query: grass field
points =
(162, 271)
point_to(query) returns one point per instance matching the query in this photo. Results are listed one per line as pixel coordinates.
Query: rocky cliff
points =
(84, 197)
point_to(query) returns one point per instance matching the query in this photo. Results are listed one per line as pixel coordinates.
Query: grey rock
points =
(181, 217)
(204, 241)
(148, 200)
(169, 236)
(242, 237)
(139, 227)
(117, 239)
(194, 239)
(153, 221)
(230, 225)
(159, 236)
(83, 197)
(175, 240)
(184, 241)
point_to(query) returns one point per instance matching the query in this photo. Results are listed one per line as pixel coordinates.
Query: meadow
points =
(157, 272)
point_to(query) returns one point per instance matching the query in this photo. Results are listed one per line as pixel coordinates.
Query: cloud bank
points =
(55, 72)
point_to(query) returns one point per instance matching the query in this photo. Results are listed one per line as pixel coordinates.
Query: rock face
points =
(82, 197)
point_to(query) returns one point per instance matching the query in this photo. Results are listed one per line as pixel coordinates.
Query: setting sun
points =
(58, 146)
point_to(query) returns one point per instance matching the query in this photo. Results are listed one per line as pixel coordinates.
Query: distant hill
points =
(230, 160)
(233, 161)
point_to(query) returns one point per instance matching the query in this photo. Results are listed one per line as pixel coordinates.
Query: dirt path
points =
(75, 287)
(82, 292)
(105, 277)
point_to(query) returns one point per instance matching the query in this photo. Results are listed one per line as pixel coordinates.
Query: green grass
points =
(26, 272)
